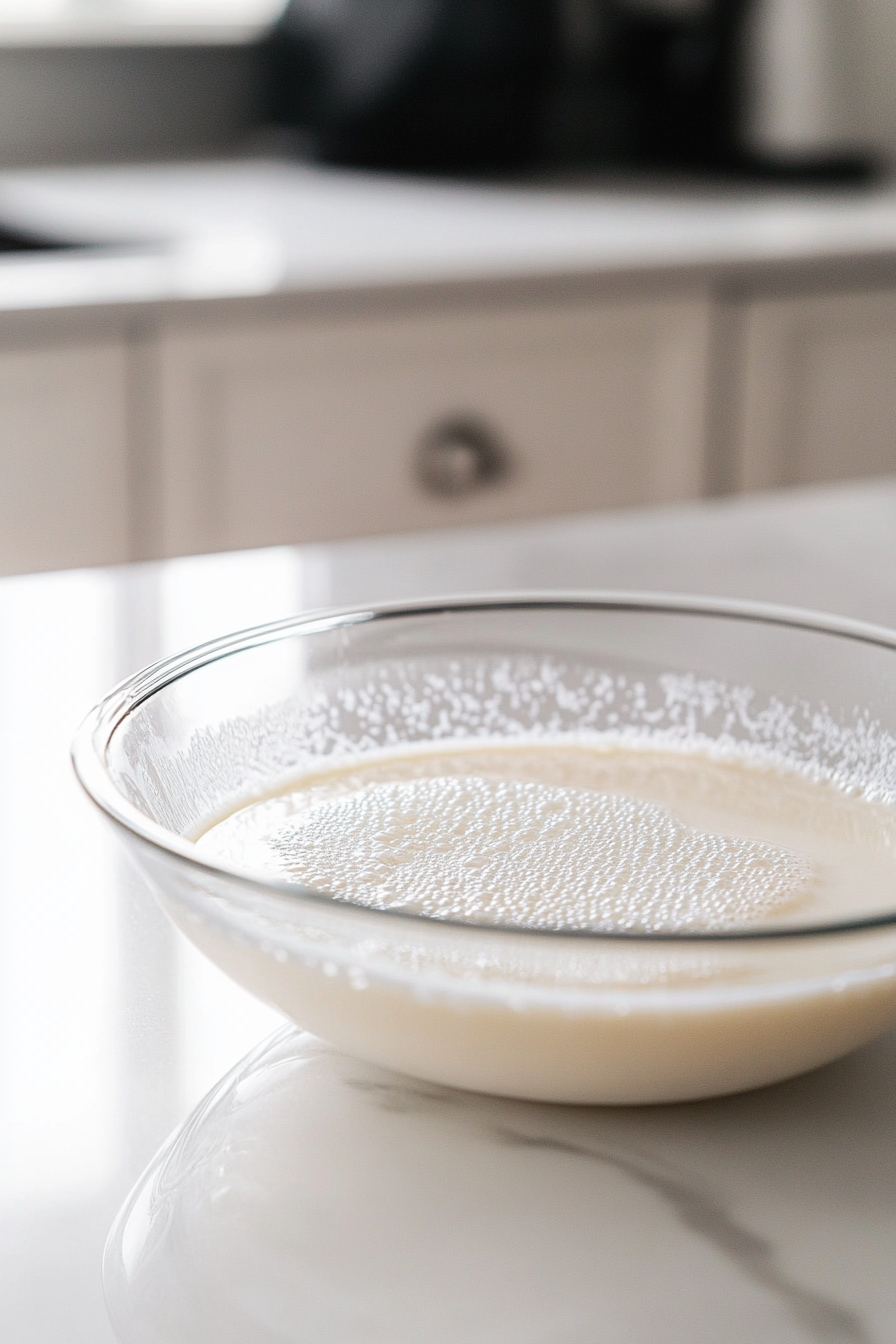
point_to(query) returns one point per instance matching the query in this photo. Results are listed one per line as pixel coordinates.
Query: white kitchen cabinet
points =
(63, 457)
(817, 396)
(318, 428)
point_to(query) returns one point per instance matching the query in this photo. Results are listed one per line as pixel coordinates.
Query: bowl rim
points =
(88, 749)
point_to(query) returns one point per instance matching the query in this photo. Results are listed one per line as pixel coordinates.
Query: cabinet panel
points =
(63, 457)
(818, 400)
(314, 430)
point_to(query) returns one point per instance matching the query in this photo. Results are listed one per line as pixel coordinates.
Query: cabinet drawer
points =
(318, 430)
(818, 395)
(63, 457)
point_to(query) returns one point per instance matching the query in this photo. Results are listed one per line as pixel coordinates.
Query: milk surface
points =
(572, 836)
(560, 836)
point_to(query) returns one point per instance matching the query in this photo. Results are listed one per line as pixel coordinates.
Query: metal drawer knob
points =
(459, 456)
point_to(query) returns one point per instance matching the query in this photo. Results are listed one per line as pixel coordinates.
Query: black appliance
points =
(422, 85)
(499, 86)
(671, 76)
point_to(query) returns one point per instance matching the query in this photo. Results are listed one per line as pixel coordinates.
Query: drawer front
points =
(322, 430)
(63, 457)
(818, 394)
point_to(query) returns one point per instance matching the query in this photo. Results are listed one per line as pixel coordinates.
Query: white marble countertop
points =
(321, 1201)
(257, 227)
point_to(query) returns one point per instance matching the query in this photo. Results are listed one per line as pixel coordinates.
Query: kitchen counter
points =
(220, 231)
(311, 339)
(373, 1209)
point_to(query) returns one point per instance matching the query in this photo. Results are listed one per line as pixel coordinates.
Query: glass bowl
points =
(566, 1015)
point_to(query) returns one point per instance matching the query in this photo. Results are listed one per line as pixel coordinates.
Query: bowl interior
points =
(184, 743)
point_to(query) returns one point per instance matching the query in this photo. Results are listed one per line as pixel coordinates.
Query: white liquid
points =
(570, 837)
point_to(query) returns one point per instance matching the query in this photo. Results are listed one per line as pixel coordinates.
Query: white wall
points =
(62, 104)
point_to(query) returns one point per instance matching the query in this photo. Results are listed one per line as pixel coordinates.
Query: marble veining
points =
(696, 1208)
(755, 1256)
(313, 1197)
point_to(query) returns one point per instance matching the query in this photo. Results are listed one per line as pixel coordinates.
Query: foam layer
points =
(525, 853)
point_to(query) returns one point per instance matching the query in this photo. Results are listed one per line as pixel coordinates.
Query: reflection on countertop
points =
(312, 1196)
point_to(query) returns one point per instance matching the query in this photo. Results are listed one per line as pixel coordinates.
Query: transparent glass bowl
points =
(562, 1016)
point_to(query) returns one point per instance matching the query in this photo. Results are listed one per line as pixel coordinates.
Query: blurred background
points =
(290, 272)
